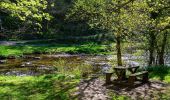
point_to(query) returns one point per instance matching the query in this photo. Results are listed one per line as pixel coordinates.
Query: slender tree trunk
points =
(118, 39)
(162, 52)
(0, 24)
(151, 57)
(156, 59)
(119, 54)
(161, 58)
(45, 22)
(151, 49)
(44, 25)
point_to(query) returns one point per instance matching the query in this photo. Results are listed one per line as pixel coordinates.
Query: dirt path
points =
(94, 89)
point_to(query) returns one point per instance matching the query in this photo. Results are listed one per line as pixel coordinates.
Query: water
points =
(45, 64)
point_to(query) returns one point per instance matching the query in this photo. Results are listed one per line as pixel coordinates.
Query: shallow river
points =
(46, 64)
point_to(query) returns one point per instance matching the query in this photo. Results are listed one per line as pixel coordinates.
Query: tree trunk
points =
(119, 54)
(152, 49)
(44, 25)
(161, 58)
(162, 52)
(151, 56)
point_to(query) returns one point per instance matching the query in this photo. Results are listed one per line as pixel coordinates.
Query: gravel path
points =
(94, 89)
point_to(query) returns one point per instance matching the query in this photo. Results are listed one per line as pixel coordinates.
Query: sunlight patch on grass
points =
(167, 78)
(37, 87)
(19, 50)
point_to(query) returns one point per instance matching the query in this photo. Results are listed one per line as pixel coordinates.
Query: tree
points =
(159, 24)
(30, 12)
(121, 17)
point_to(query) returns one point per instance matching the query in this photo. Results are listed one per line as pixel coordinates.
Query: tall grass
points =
(71, 68)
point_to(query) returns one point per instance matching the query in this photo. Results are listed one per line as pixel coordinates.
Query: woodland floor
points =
(95, 89)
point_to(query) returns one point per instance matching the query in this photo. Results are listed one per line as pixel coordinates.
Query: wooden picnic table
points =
(121, 71)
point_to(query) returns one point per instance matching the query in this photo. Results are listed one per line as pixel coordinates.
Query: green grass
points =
(19, 50)
(46, 87)
(52, 47)
(60, 86)
(161, 73)
(119, 97)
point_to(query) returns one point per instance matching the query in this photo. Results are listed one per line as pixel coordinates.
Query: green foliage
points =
(31, 12)
(159, 20)
(120, 17)
(159, 73)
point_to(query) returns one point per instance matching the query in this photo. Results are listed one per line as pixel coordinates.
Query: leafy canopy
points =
(118, 16)
(30, 11)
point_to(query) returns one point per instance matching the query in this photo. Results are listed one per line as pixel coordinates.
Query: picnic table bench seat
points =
(139, 73)
(134, 76)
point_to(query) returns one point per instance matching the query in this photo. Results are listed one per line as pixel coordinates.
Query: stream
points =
(39, 64)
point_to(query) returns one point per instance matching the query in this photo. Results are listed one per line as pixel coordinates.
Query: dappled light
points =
(84, 49)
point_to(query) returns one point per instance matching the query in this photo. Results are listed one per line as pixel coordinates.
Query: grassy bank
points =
(51, 47)
(19, 50)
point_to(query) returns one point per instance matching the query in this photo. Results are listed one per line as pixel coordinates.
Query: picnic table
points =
(121, 71)
(121, 74)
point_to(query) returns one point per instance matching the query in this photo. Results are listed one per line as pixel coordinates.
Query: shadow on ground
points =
(149, 91)
(95, 89)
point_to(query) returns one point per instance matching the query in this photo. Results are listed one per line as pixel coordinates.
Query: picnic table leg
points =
(145, 78)
(124, 75)
(131, 80)
(108, 78)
